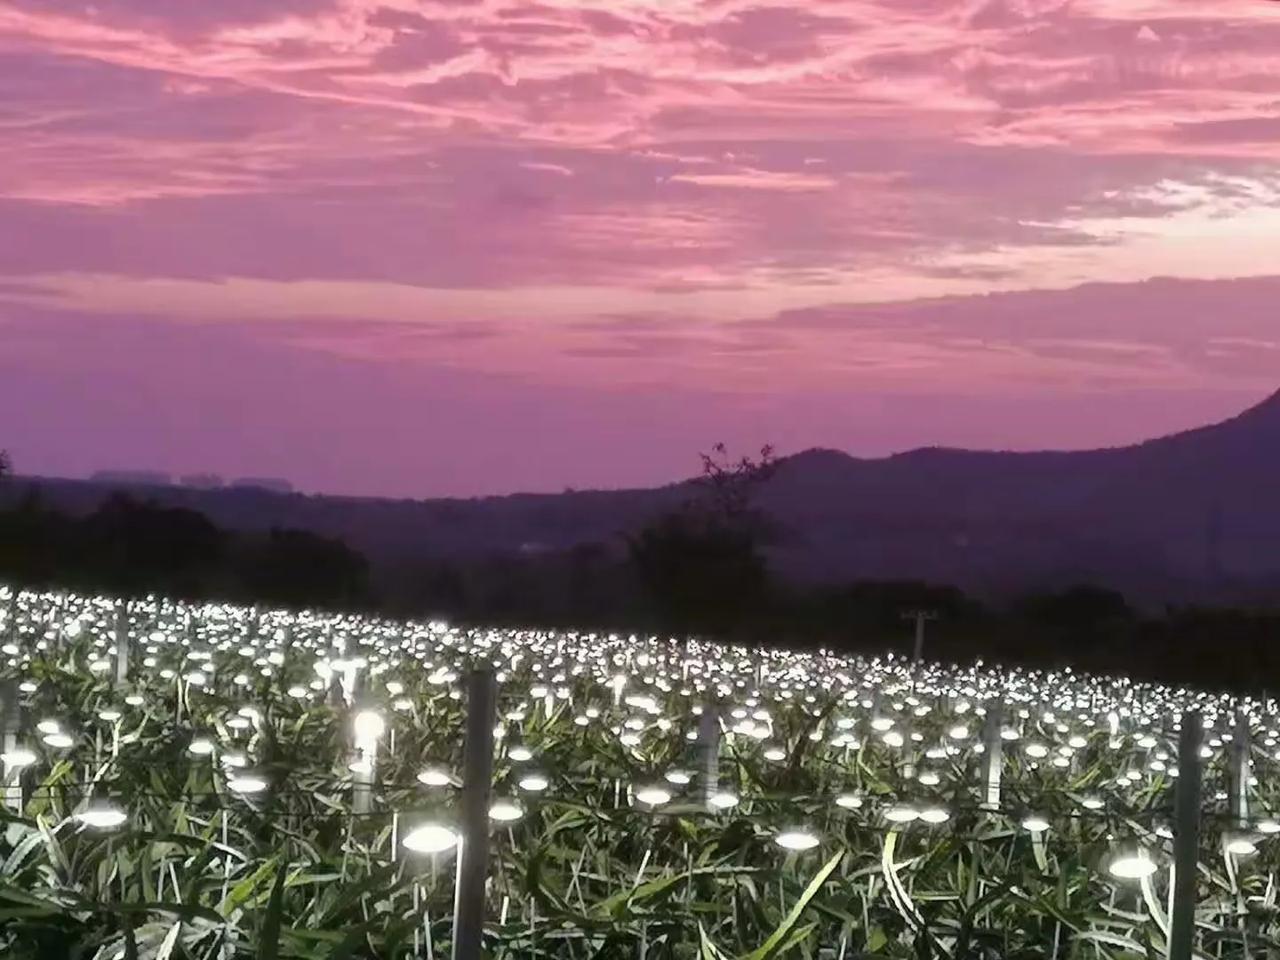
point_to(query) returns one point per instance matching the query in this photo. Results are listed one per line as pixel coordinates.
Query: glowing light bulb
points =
(1241, 846)
(246, 784)
(1132, 865)
(1035, 824)
(534, 783)
(201, 747)
(723, 800)
(849, 801)
(902, 813)
(369, 726)
(435, 777)
(18, 758)
(935, 815)
(520, 753)
(653, 796)
(101, 816)
(505, 811)
(796, 840)
(59, 741)
(430, 838)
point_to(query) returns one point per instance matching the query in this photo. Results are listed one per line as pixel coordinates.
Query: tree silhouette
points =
(701, 565)
(297, 568)
(133, 547)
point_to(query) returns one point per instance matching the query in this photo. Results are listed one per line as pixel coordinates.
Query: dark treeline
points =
(701, 569)
(131, 548)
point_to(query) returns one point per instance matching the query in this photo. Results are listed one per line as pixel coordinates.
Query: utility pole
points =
(921, 617)
(1186, 839)
(477, 784)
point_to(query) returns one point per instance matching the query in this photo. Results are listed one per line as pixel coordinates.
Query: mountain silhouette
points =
(1186, 516)
(1191, 510)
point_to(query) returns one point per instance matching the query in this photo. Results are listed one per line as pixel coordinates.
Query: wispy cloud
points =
(755, 184)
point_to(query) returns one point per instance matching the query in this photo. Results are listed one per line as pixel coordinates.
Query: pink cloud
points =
(797, 202)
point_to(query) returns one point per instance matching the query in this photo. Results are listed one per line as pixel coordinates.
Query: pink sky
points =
(417, 248)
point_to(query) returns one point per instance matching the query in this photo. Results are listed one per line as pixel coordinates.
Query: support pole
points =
(1240, 772)
(9, 721)
(921, 617)
(122, 642)
(1186, 838)
(366, 756)
(477, 783)
(992, 755)
(709, 753)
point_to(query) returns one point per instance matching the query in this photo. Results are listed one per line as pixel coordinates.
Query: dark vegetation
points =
(701, 567)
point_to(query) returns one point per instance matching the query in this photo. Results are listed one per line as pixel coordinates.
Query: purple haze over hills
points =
(1175, 517)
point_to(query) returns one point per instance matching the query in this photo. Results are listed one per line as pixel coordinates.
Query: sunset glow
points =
(418, 248)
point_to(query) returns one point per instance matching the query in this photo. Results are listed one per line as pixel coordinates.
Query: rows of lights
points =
(924, 725)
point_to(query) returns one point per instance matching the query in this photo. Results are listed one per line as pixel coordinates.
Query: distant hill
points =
(1195, 514)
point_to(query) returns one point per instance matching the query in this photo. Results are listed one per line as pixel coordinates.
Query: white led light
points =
(505, 811)
(653, 796)
(435, 777)
(796, 840)
(246, 784)
(723, 800)
(534, 783)
(369, 726)
(902, 813)
(1241, 846)
(17, 758)
(1133, 865)
(430, 838)
(101, 817)
(1035, 824)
